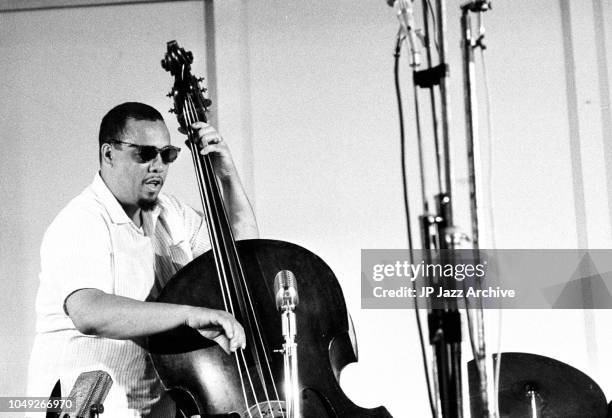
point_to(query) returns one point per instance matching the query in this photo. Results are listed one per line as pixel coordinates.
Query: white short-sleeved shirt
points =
(92, 243)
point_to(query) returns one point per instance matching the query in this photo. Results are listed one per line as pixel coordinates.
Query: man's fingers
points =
(239, 339)
(219, 326)
(211, 148)
(227, 324)
(207, 133)
(224, 343)
(214, 140)
(200, 124)
(202, 128)
(220, 338)
(234, 331)
(210, 142)
(211, 139)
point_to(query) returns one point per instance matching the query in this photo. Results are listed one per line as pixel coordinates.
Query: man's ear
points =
(106, 151)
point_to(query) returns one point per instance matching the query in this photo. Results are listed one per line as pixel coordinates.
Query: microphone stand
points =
(440, 237)
(287, 299)
(468, 44)
(289, 351)
(438, 231)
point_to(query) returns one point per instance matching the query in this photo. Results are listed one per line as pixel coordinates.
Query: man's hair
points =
(113, 123)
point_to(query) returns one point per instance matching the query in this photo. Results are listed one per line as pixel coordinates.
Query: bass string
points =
(207, 209)
(254, 322)
(252, 318)
(190, 117)
(259, 335)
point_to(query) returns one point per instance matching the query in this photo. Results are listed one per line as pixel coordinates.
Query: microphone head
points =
(89, 390)
(285, 289)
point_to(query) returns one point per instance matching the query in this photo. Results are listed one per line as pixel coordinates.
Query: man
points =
(112, 249)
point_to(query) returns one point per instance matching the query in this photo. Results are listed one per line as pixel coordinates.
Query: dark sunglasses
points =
(148, 153)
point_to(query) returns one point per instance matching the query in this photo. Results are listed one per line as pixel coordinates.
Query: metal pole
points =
(468, 44)
(445, 108)
(451, 316)
(471, 122)
(432, 94)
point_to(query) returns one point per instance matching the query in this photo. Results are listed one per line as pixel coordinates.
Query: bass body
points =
(206, 381)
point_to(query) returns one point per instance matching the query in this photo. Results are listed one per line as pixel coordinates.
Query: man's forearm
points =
(242, 217)
(95, 312)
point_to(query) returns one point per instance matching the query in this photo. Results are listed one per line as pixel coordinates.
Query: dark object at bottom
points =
(552, 388)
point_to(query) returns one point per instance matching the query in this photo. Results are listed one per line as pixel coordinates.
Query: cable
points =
(474, 311)
(489, 181)
(433, 21)
(493, 243)
(398, 47)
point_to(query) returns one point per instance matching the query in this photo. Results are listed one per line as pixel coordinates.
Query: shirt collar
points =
(115, 211)
(114, 208)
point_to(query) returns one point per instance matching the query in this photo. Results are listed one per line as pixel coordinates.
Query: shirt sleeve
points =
(75, 254)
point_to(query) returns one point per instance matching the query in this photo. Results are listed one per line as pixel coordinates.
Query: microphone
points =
(285, 289)
(89, 392)
(286, 295)
(406, 18)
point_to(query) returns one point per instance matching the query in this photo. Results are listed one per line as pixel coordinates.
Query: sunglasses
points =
(148, 153)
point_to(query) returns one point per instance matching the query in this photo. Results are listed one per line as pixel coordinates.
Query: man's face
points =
(138, 183)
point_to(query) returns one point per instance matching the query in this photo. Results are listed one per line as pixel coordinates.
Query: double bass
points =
(238, 276)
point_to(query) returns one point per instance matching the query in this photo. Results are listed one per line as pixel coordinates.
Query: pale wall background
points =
(305, 97)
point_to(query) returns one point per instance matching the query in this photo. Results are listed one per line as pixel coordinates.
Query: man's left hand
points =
(211, 142)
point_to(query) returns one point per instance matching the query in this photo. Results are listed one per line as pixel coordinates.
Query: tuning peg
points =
(200, 79)
(170, 94)
(172, 110)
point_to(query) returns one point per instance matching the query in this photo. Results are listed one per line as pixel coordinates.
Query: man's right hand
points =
(219, 326)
